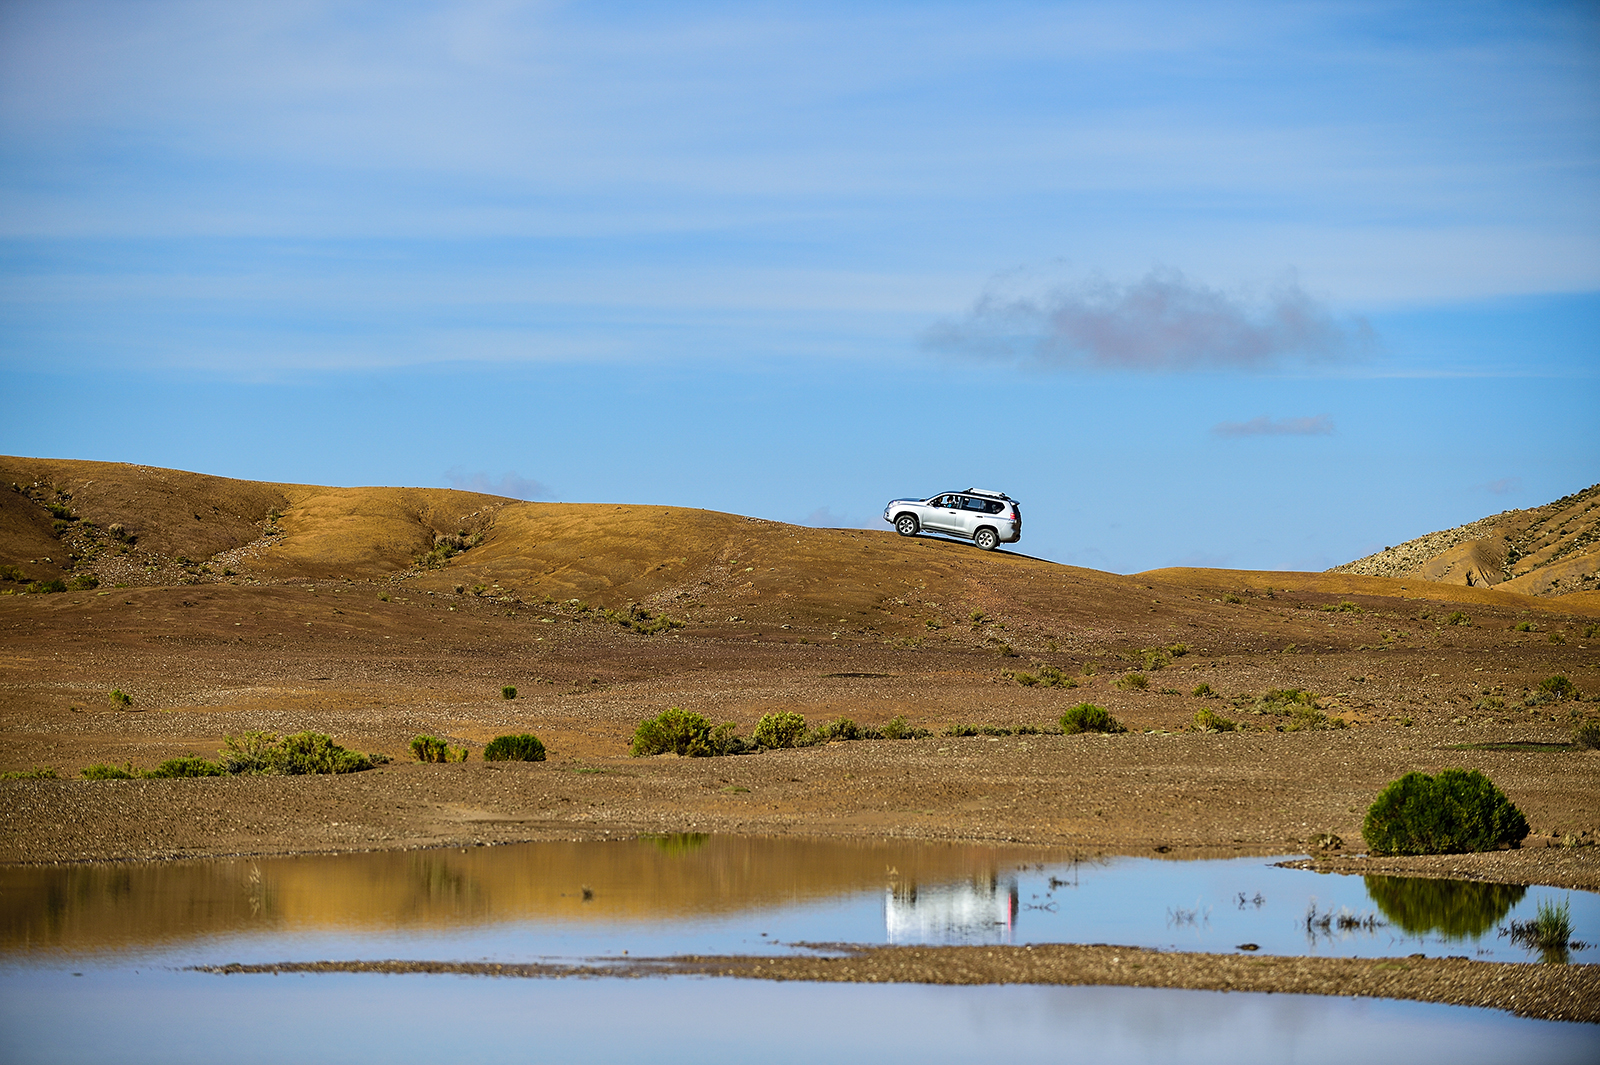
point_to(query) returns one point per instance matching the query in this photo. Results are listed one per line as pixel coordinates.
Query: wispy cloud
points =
(510, 484)
(1315, 425)
(1504, 486)
(1161, 323)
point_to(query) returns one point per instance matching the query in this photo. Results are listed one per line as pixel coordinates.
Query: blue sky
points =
(1255, 285)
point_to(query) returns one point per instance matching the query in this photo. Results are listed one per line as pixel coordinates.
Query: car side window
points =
(976, 504)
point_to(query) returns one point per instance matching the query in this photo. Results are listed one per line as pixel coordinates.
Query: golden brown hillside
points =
(1553, 550)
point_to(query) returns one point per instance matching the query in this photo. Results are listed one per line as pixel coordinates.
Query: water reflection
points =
(694, 893)
(1455, 909)
(968, 912)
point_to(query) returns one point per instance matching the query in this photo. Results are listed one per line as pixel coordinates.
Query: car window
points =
(974, 503)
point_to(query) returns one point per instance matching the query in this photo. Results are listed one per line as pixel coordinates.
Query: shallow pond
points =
(704, 894)
(92, 957)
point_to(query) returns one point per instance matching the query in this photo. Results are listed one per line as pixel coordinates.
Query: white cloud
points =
(1162, 322)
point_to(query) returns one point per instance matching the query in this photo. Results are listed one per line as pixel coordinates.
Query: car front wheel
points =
(986, 539)
(905, 525)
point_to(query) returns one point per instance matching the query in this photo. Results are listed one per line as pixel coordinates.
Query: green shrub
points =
(433, 749)
(1086, 717)
(185, 767)
(101, 771)
(248, 752)
(12, 573)
(508, 692)
(674, 731)
(120, 698)
(313, 752)
(1279, 702)
(1132, 682)
(38, 772)
(1451, 813)
(783, 728)
(1524, 626)
(82, 582)
(1345, 607)
(1202, 691)
(1206, 720)
(295, 755)
(840, 728)
(959, 731)
(898, 728)
(1309, 718)
(1155, 659)
(55, 584)
(1587, 735)
(1558, 687)
(523, 747)
(1045, 676)
(1456, 617)
(1589, 631)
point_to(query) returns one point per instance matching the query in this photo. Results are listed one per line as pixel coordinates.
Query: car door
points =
(969, 516)
(943, 514)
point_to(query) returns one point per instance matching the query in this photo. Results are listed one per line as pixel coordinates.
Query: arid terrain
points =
(377, 614)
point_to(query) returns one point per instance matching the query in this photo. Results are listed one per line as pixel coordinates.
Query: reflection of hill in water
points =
(974, 911)
(1456, 909)
(664, 878)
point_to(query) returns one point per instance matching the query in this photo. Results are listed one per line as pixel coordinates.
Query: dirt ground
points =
(1422, 676)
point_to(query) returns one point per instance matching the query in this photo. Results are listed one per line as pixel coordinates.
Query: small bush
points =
(1556, 637)
(523, 747)
(1523, 626)
(249, 752)
(1308, 719)
(185, 767)
(1586, 736)
(433, 749)
(783, 728)
(897, 728)
(1456, 617)
(120, 698)
(298, 754)
(1045, 676)
(1086, 717)
(1207, 721)
(1591, 631)
(313, 752)
(47, 587)
(508, 692)
(1280, 702)
(960, 731)
(1558, 687)
(1155, 659)
(82, 582)
(101, 771)
(1129, 682)
(1452, 813)
(38, 772)
(841, 728)
(674, 731)
(1346, 607)
(1202, 691)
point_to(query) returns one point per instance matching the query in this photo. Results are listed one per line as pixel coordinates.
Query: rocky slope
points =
(1547, 551)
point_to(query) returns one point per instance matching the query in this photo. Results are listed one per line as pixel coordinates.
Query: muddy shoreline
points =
(1544, 992)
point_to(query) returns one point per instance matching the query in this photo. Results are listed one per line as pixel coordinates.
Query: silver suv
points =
(986, 518)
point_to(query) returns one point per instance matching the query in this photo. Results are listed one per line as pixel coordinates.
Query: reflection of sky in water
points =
(1211, 905)
(179, 1017)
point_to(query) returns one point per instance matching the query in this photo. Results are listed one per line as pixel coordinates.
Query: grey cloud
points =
(1163, 322)
(1316, 425)
(511, 484)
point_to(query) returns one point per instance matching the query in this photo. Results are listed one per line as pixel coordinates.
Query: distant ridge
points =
(1547, 551)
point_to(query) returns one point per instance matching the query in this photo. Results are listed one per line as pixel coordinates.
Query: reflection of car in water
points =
(970, 912)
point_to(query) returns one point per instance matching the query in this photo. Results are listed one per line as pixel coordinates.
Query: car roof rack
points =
(987, 492)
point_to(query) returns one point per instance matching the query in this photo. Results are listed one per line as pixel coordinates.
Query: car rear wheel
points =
(905, 525)
(986, 539)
